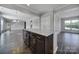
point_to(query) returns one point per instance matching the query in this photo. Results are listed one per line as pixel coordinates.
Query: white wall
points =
(35, 24)
(62, 25)
(17, 26)
(4, 24)
(57, 29)
(28, 24)
(47, 22)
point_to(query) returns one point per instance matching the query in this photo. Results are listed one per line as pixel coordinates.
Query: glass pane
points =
(75, 24)
(67, 24)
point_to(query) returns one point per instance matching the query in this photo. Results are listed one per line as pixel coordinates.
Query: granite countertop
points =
(41, 32)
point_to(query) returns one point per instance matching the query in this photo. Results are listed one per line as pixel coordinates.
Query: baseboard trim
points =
(54, 52)
(70, 32)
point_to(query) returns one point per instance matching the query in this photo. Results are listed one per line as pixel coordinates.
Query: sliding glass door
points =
(72, 25)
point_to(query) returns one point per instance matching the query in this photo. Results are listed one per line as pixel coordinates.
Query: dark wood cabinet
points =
(26, 38)
(39, 44)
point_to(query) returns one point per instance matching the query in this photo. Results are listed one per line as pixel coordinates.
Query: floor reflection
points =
(68, 43)
(11, 42)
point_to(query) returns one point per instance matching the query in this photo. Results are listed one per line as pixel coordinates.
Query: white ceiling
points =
(33, 10)
(38, 9)
(15, 12)
(43, 8)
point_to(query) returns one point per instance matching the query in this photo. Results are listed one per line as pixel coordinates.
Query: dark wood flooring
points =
(68, 43)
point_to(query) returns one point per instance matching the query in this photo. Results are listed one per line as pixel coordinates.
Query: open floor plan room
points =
(39, 29)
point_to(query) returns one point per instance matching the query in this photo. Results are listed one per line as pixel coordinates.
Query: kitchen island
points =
(39, 41)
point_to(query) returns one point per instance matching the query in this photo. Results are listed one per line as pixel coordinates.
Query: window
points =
(75, 24)
(71, 24)
(67, 24)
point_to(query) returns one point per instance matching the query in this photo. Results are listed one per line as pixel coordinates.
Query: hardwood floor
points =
(68, 43)
(11, 42)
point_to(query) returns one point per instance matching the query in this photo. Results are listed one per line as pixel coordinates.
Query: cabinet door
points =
(40, 46)
(50, 44)
(26, 38)
(32, 41)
